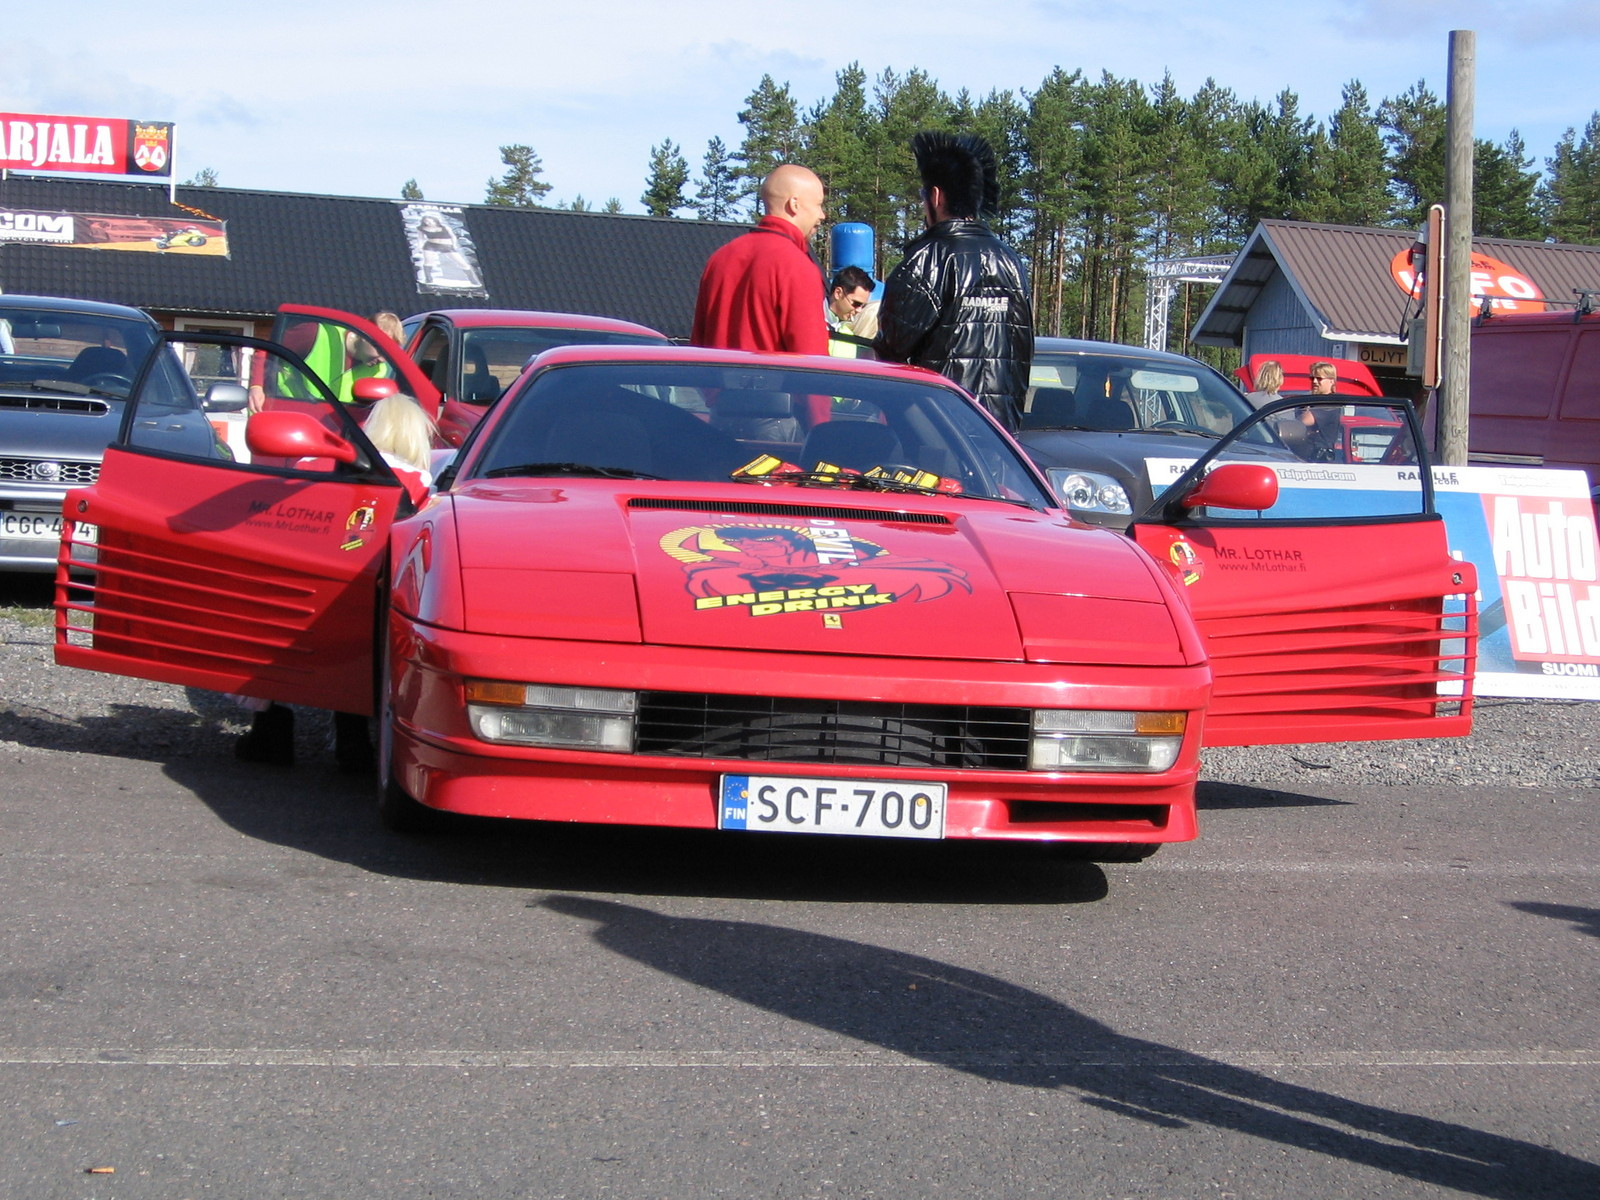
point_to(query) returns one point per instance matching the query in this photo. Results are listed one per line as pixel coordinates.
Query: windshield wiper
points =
(569, 468)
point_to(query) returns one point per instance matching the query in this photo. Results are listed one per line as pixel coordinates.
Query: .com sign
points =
(1506, 288)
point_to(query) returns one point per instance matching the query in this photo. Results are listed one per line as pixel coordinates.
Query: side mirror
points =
(370, 391)
(1236, 485)
(278, 433)
(226, 397)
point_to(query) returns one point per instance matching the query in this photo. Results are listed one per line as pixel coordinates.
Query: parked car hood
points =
(48, 424)
(805, 570)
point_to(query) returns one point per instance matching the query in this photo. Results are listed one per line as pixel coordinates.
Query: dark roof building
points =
(353, 254)
(1335, 291)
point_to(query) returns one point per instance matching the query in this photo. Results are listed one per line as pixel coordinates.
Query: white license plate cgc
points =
(858, 807)
(31, 526)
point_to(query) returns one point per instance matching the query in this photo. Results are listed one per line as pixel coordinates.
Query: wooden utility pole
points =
(1451, 446)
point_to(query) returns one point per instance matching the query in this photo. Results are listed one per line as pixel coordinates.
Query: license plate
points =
(27, 526)
(858, 807)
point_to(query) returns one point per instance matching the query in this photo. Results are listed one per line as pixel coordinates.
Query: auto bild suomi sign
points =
(85, 145)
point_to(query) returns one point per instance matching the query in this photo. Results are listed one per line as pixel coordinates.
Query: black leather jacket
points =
(958, 304)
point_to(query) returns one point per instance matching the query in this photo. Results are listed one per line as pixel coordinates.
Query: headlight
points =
(1089, 491)
(1089, 740)
(541, 714)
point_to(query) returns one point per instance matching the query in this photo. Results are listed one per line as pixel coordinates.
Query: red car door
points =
(182, 565)
(343, 348)
(1334, 611)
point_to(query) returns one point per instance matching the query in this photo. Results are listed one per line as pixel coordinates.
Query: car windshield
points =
(491, 359)
(68, 351)
(1121, 393)
(763, 425)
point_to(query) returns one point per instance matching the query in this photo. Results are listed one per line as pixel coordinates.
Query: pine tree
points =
(717, 190)
(669, 174)
(1505, 193)
(1571, 192)
(612, 206)
(410, 190)
(1355, 172)
(1414, 125)
(579, 204)
(204, 177)
(520, 186)
(772, 135)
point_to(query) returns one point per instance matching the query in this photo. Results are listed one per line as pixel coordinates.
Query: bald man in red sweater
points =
(763, 290)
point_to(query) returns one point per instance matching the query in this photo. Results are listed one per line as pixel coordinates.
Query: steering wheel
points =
(102, 379)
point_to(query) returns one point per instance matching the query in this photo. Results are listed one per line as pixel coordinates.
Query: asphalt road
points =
(226, 981)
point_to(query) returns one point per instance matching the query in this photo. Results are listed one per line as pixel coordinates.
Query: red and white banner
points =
(85, 145)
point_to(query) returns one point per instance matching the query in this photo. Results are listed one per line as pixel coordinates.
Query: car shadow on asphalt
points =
(975, 1023)
(1584, 920)
(313, 808)
(1215, 794)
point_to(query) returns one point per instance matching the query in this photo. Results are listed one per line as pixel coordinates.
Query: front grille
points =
(66, 473)
(777, 729)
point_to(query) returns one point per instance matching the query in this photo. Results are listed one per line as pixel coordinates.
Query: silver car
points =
(66, 368)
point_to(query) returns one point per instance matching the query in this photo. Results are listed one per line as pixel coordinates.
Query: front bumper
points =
(438, 761)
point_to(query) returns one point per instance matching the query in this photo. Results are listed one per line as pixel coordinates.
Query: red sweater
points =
(762, 291)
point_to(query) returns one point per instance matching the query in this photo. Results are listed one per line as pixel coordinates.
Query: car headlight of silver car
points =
(542, 714)
(1090, 491)
(1091, 740)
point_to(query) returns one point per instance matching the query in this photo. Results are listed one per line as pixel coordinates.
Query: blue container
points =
(852, 247)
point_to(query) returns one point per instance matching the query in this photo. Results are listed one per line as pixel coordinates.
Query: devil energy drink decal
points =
(765, 570)
(1187, 561)
(356, 526)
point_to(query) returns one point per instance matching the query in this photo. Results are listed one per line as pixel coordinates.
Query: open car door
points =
(183, 565)
(342, 349)
(1320, 577)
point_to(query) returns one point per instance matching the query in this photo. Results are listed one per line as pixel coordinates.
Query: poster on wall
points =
(85, 145)
(442, 252)
(1529, 531)
(112, 231)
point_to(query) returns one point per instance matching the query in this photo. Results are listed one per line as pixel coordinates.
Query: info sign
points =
(85, 145)
(1529, 531)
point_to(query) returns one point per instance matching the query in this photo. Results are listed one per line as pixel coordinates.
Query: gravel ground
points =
(1515, 743)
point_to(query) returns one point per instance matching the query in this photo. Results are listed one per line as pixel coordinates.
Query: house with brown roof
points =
(345, 252)
(1337, 291)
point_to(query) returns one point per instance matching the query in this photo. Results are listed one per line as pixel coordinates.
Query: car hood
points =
(1119, 454)
(43, 424)
(817, 571)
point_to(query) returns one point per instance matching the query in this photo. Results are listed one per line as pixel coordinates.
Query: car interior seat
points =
(1107, 413)
(478, 384)
(98, 360)
(855, 444)
(759, 416)
(1051, 408)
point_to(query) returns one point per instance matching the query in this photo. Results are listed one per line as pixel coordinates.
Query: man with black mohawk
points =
(958, 302)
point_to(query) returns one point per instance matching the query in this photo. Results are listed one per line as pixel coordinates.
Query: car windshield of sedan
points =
(1117, 393)
(763, 426)
(491, 359)
(70, 352)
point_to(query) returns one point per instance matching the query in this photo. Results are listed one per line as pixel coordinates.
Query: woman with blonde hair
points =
(404, 435)
(1269, 383)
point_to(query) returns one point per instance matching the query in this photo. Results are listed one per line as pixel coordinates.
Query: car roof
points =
(94, 308)
(1061, 345)
(532, 319)
(667, 352)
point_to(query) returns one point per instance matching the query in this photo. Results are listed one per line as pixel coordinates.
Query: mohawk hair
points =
(961, 166)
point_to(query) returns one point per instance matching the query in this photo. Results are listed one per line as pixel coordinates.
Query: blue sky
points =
(354, 98)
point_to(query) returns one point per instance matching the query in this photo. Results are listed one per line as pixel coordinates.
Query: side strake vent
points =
(816, 512)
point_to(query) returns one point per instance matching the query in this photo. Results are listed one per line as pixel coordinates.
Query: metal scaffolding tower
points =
(1165, 275)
